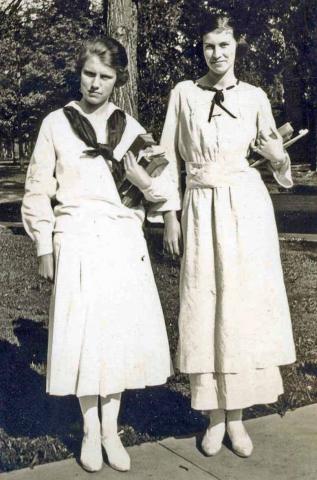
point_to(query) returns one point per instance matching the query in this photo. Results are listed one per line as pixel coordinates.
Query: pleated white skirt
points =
(107, 330)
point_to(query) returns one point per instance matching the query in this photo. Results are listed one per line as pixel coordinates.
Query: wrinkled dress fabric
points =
(234, 323)
(106, 326)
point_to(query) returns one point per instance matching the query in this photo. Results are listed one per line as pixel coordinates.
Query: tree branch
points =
(13, 7)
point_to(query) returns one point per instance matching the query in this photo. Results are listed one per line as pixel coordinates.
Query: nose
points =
(216, 53)
(95, 84)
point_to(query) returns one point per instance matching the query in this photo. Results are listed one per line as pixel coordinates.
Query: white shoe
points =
(118, 457)
(212, 441)
(91, 453)
(240, 440)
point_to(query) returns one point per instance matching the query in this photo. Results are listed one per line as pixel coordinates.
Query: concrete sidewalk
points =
(284, 449)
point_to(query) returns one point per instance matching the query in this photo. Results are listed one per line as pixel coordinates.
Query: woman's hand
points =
(172, 239)
(46, 266)
(135, 173)
(271, 148)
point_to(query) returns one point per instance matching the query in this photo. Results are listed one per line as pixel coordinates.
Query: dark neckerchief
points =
(218, 98)
(85, 131)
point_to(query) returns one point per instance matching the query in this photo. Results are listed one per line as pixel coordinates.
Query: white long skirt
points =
(107, 330)
(235, 326)
(234, 314)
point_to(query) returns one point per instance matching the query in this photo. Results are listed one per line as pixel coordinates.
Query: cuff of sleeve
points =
(283, 174)
(44, 247)
(156, 191)
(155, 212)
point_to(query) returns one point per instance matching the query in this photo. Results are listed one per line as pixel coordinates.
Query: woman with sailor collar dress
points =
(106, 327)
(234, 322)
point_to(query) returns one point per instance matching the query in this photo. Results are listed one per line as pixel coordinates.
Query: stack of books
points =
(286, 131)
(152, 158)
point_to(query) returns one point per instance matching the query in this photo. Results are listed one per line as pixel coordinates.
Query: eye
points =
(105, 77)
(224, 44)
(88, 73)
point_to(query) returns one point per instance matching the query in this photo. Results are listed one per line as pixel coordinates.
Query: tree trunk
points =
(122, 24)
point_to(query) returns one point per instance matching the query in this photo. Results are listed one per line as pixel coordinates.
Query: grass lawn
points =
(35, 428)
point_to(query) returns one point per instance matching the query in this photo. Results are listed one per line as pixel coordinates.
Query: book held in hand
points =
(286, 131)
(151, 157)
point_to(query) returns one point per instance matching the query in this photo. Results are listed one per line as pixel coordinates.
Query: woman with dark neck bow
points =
(106, 327)
(234, 323)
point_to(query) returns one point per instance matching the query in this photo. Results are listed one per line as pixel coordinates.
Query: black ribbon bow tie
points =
(218, 99)
(85, 131)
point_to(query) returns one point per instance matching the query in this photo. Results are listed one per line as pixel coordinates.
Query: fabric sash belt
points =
(212, 175)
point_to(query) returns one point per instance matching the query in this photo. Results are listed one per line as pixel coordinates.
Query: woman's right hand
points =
(46, 266)
(172, 239)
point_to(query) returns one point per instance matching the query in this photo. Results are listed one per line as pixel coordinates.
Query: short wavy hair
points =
(111, 52)
(224, 21)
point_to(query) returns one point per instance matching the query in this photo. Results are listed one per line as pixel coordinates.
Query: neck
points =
(221, 81)
(90, 108)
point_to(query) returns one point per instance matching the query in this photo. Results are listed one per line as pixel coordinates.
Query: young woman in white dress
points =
(106, 327)
(234, 323)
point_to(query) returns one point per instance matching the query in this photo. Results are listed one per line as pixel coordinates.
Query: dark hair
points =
(223, 21)
(110, 52)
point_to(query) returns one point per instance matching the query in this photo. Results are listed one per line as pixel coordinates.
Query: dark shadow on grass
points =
(27, 411)
(159, 412)
(309, 367)
(10, 212)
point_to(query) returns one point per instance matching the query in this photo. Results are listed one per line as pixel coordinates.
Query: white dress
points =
(234, 322)
(106, 326)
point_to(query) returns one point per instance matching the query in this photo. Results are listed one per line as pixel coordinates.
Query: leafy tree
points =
(301, 32)
(39, 40)
(274, 30)
(39, 46)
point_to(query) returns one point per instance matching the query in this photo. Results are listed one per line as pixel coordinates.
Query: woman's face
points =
(96, 81)
(219, 47)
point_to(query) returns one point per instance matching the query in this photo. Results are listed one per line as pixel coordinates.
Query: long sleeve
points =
(169, 181)
(159, 190)
(37, 213)
(266, 124)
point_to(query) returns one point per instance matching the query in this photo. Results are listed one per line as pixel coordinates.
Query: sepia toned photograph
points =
(158, 239)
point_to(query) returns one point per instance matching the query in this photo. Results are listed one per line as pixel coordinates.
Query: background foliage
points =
(40, 39)
(38, 48)
(282, 56)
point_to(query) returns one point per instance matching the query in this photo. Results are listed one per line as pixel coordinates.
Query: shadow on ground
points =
(27, 411)
(10, 212)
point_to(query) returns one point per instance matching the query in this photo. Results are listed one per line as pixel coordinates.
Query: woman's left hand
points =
(135, 173)
(271, 148)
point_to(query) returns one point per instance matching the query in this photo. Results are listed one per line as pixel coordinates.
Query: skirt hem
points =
(59, 393)
(235, 406)
(191, 371)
